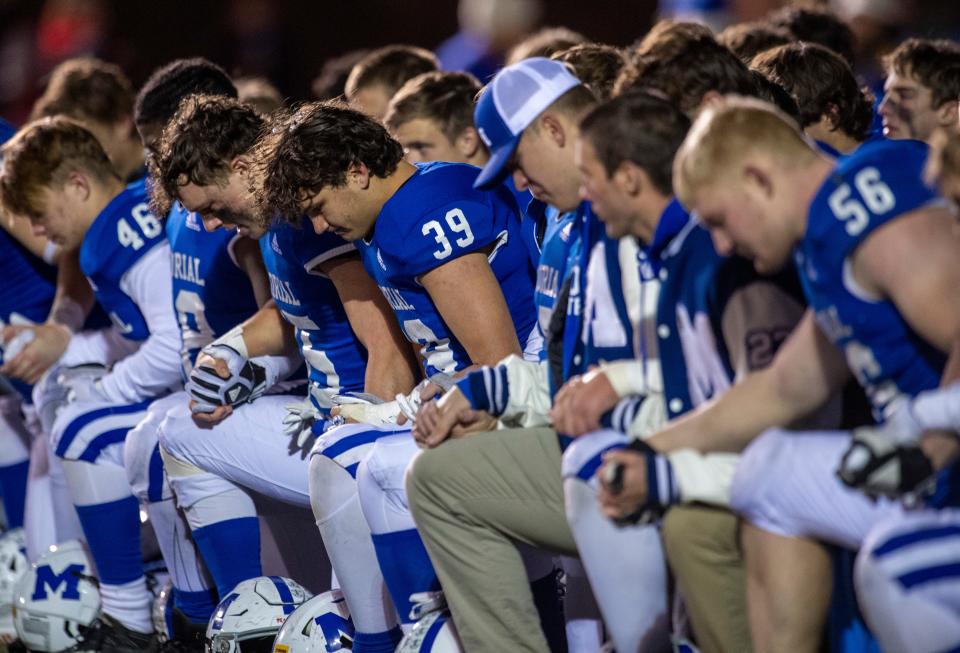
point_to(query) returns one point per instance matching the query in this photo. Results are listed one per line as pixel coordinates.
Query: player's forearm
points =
(389, 373)
(248, 257)
(731, 422)
(74, 297)
(267, 333)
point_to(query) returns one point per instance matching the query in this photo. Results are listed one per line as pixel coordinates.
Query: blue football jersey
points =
(28, 283)
(336, 361)
(572, 360)
(119, 237)
(881, 181)
(561, 235)
(211, 294)
(435, 217)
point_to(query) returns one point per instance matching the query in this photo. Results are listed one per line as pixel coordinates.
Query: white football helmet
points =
(13, 565)
(321, 625)
(433, 633)
(434, 630)
(56, 600)
(248, 618)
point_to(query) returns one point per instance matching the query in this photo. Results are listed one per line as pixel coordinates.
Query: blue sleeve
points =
(440, 235)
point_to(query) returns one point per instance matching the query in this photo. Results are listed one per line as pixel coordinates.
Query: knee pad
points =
(176, 431)
(331, 487)
(585, 455)
(381, 477)
(95, 483)
(766, 459)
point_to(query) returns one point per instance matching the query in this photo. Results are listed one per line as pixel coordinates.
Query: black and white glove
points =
(662, 488)
(879, 465)
(246, 381)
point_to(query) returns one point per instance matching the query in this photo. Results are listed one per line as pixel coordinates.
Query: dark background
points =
(288, 40)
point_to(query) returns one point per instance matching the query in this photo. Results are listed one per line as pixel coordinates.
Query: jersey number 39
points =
(457, 222)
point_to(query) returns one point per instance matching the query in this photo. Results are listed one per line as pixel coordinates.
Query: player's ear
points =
(240, 164)
(710, 99)
(947, 114)
(629, 178)
(553, 128)
(358, 173)
(832, 116)
(468, 142)
(77, 186)
(757, 180)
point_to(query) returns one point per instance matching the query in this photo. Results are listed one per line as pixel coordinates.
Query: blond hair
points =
(41, 156)
(726, 135)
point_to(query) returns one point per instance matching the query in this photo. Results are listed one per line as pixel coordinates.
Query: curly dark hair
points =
(639, 127)
(312, 148)
(86, 89)
(444, 97)
(41, 156)
(935, 64)
(198, 144)
(822, 83)
(596, 65)
(160, 96)
(816, 25)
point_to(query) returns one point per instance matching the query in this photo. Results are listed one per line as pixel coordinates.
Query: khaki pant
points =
(703, 549)
(472, 499)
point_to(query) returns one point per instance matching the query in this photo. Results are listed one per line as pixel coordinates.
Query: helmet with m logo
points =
(56, 600)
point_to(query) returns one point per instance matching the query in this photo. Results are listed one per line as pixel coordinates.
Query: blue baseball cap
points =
(510, 103)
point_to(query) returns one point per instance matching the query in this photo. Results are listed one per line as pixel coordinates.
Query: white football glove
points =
(246, 382)
(299, 419)
(367, 409)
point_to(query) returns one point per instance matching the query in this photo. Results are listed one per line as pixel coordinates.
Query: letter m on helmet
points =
(46, 577)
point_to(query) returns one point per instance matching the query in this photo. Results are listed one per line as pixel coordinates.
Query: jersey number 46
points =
(149, 227)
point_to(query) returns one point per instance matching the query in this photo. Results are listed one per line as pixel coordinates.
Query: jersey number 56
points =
(876, 195)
